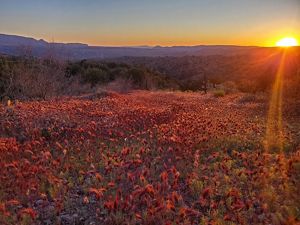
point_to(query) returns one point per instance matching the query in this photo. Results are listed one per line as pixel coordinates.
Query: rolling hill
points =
(18, 45)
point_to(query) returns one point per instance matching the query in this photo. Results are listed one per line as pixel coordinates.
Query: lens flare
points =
(274, 132)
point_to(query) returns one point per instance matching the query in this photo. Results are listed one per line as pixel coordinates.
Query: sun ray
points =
(274, 131)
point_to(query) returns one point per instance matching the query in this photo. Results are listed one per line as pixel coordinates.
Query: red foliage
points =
(150, 157)
(28, 211)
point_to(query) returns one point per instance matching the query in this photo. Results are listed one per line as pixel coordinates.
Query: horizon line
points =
(133, 46)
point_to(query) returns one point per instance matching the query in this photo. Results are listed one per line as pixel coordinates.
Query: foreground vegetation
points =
(147, 158)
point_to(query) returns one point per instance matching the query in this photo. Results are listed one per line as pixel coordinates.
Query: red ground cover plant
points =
(145, 158)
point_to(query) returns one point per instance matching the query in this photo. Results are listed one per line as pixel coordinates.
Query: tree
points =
(205, 83)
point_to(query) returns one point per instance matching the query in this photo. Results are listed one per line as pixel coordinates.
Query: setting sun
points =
(287, 42)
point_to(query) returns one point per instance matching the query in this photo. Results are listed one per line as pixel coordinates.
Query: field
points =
(147, 158)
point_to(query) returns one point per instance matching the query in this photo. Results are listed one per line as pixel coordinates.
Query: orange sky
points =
(156, 22)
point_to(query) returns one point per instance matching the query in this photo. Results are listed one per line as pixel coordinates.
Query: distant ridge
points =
(19, 45)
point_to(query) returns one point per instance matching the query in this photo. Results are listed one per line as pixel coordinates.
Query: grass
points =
(219, 93)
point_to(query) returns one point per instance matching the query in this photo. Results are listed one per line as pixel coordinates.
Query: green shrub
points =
(137, 75)
(95, 76)
(219, 93)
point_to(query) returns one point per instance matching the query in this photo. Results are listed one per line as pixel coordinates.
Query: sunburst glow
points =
(287, 42)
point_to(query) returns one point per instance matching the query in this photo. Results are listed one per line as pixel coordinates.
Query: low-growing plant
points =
(219, 93)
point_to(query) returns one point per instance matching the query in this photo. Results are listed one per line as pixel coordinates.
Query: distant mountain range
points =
(18, 45)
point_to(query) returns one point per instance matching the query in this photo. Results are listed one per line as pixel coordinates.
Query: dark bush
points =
(95, 76)
(137, 75)
(73, 69)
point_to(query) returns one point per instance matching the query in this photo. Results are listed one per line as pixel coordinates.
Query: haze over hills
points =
(19, 45)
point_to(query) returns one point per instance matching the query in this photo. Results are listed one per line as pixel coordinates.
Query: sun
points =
(287, 42)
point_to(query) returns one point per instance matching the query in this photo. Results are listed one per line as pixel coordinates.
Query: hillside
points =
(18, 45)
(256, 68)
(34, 78)
(145, 158)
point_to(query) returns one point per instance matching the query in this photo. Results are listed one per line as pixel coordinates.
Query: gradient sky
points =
(153, 22)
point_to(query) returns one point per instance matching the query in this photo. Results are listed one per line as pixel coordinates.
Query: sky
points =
(153, 22)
